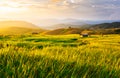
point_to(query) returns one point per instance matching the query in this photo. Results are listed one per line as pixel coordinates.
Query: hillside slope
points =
(106, 25)
(19, 30)
(6, 24)
(103, 28)
(18, 27)
(64, 31)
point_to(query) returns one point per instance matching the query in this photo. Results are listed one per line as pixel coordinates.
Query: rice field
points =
(59, 56)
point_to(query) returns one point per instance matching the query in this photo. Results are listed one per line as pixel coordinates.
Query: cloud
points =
(77, 9)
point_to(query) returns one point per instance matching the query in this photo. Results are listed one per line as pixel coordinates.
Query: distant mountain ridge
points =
(88, 26)
(105, 28)
(59, 26)
(106, 25)
(22, 27)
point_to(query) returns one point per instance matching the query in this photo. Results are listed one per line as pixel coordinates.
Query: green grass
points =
(62, 56)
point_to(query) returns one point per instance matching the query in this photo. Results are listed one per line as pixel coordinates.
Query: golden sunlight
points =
(8, 9)
(11, 7)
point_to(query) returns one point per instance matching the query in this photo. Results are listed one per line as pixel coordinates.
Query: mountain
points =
(51, 23)
(58, 26)
(85, 26)
(93, 22)
(106, 28)
(103, 28)
(112, 25)
(22, 27)
(18, 27)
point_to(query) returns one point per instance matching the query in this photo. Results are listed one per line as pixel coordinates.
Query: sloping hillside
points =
(64, 31)
(106, 25)
(19, 30)
(6, 24)
(18, 27)
(104, 28)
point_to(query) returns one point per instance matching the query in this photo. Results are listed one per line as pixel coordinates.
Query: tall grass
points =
(55, 57)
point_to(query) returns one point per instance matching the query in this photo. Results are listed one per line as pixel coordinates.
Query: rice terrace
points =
(59, 38)
(63, 56)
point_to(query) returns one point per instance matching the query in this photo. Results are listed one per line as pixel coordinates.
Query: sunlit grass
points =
(63, 56)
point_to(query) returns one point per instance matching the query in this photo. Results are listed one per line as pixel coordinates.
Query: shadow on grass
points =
(53, 40)
(29, 45)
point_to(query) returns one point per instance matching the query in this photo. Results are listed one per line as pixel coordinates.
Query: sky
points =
(38, 10)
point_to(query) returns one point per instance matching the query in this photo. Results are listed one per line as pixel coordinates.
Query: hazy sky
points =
(35, 10)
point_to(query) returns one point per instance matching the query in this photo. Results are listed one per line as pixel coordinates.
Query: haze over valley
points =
(22, 27)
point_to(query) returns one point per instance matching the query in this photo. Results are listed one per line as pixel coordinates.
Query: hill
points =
(103, 28)
(88, 26)
(18, 27)
(6, 24)
(106, 25)
(106, 28)
(59, 26)
(64, 31)
(19, 30)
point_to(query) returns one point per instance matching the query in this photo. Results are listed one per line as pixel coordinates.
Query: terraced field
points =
(61, 56)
